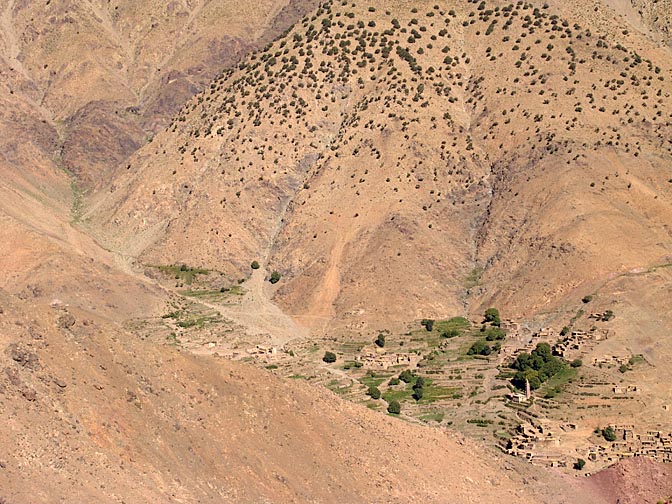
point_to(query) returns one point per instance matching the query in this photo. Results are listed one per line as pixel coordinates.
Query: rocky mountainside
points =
(101, 77)
(390, 161)
(398, 161)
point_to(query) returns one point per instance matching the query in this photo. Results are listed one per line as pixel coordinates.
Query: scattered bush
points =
(492, 316)
(373, 392)
(406, 376)
(427, 324)
(494, 334)
(394, 408)
(480, 348)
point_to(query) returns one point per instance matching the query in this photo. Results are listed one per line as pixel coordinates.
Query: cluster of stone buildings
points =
(576, 341)
(536, 442)
(653, 444)
(382, 361)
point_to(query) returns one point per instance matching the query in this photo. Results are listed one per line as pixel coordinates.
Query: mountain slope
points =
(93, 414)
(378, 158)
(106, 75)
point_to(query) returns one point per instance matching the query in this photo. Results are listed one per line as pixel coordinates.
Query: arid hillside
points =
(105, 76)
(394, 162)
(91, 413)
(382, 162)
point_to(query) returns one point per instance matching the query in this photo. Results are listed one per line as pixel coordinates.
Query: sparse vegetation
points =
(492, 316)
(394, 408)
(428, 324)
(608, 434)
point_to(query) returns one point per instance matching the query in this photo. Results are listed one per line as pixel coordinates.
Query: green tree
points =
(609, 434)
(406, 376)
(579, 464)
(394, 407)
(479, 348)
(380, 340)
(492, 316)
(329, 357)
(254, 265)
(427, 324)
(373, 392)
(275, 277)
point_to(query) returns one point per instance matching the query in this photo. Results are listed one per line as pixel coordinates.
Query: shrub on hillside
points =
(394, 407)
(373, 392)
(427, 324)
(492, 316)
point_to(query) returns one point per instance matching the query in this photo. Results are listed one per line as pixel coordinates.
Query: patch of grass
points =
(400, 394)
(436, 416)
(338, 389)
(182, 272)
(558, 381)
(200, 293)
(235, 290)
(576, 317)
(297, 377)
(455, 323)
(77, 202)
(373, 381)
(474, 277)
(198, 321)
(480, 422)
(433, 393)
